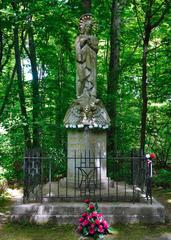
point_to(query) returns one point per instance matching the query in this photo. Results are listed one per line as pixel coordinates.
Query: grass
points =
(164, 196)
(68, 232)
(32, 232)
(5, 204)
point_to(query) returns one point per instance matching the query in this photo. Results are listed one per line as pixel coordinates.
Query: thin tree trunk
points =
(7, 92)
(148, 27)
(35, 87)
(144, 91)
(146, 38)
(113, 73)
(1, 50)
(86, 4)
(58, 101)
(21, 89)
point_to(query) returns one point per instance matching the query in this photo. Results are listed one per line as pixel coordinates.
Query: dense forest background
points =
(37, 75)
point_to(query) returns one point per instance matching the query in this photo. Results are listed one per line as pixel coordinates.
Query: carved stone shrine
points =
(87, 120)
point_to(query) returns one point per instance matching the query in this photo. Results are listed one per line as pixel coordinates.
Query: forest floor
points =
(10, 231)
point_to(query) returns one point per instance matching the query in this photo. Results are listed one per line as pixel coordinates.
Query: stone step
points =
(64, 213)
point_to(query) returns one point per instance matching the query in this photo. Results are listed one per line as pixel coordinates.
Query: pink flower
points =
(91, 231)
(99, 215)
(92, 225)
(97, 222)
(100, 229)
(91, 207)
(81, 220)
(94, 215)
(87, 201)
(105, 224)
(85, 223)
(84, 214)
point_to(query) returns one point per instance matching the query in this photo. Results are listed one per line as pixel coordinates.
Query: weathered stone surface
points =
(91, 143)
(69, 213)
(86, 110)
(86, 51)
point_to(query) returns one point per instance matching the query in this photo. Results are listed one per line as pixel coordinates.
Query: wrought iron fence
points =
(127, 179)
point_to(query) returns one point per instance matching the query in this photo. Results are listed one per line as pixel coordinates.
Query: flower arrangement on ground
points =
(92, 223)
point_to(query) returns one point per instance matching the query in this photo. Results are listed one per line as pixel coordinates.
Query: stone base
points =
(69, 213)
(86, 149)
(103, 184)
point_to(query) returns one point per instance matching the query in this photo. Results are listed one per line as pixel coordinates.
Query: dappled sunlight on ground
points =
(15, 193)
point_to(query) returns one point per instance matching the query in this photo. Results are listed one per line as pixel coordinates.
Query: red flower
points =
(92, 225)
(105, 224)
(81, 220)
(100, 229)
(87, 201)
(99, 215)
(91, 207)
(85, 223)
(91, 231)
(84, 214)
(152, 155)
(97, 222)
(94, 215)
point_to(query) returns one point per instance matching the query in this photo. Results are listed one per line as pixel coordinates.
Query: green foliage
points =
(163, 178)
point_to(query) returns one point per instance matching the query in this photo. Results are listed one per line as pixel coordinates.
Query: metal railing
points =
(127, 179)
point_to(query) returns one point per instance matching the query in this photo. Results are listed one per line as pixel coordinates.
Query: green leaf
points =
(111, 230)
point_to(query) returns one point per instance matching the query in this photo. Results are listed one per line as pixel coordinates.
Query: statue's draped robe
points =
(86, 51)
(86, 110)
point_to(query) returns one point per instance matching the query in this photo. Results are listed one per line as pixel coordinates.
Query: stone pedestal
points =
(88, 144)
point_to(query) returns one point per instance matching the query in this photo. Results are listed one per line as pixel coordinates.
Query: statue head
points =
(86, 24)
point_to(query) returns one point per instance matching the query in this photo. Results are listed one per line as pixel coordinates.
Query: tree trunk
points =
(146, 38)
(35, 87)
(1, 49)
(27, 137)
(113, 75)
(144, 90)
(148, 27)
(86, 4)
(7, 92)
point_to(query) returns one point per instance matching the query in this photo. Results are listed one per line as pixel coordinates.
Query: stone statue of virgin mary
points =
(86, 110)
(86, 54)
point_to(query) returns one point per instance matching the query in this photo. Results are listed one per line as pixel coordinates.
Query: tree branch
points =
(7, 56)
(161, 5)
(7, 92)
(138, 21)
(1, 47)
(152, 49)
(130, 56)
(162, 15)
(23, 38)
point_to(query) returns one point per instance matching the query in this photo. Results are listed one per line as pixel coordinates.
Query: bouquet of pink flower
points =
(92, 223)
